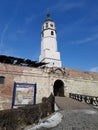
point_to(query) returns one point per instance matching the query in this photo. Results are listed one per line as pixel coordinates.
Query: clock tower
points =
(49, 52)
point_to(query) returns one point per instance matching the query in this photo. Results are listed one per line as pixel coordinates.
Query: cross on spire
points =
(48, 14)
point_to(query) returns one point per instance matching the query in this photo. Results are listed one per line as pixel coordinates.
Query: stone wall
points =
(81, 86)
(75, 81)
(21, 74)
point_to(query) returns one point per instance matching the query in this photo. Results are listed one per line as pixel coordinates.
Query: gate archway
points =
(58, 88)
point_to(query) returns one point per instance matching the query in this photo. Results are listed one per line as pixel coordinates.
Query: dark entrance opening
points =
(58, 88)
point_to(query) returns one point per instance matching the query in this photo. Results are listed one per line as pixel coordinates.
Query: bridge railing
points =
(85, 98)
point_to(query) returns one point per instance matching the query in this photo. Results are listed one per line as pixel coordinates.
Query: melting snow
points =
(49, 123)
(90, 112)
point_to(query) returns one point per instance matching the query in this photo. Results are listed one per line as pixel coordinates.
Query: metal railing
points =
(85, 98)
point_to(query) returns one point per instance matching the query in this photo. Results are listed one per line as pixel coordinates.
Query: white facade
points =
(49, 52)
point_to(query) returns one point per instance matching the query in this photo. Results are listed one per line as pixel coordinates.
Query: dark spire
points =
(48, 16)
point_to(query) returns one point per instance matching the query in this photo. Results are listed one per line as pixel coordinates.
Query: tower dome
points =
(49, 52)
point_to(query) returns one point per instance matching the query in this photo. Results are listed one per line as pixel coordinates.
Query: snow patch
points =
(49, 123)
(86, 111)
(56, 107)
(90, 112)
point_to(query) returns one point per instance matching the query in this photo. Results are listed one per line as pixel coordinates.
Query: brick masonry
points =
(75, 81)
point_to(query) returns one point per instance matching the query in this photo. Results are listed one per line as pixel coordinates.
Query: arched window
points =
(52, 33)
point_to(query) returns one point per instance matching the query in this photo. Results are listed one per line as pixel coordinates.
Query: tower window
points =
(51, 25)
(46, 25)
(2, 78)
(52, 33)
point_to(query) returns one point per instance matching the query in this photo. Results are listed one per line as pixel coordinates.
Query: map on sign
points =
(24, 94)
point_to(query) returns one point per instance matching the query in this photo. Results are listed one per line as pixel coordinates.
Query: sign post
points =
(23, 94)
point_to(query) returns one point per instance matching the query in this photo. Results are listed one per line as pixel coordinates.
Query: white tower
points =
(49, 52)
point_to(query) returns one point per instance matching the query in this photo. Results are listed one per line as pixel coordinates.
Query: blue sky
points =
(77, 30)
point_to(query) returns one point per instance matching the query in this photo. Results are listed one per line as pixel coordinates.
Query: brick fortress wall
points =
(75, 81)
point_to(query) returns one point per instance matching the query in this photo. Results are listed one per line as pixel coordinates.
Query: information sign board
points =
(24, 94)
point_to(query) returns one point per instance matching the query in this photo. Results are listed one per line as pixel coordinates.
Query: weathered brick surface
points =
(75, 81)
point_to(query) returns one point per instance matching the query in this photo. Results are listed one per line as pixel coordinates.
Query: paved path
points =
(78, 120)
(65, 103)
(76, 115)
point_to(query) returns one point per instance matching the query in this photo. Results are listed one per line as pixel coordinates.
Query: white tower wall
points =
(49, 52)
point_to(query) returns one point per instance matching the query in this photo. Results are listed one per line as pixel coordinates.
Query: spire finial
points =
(48, 14)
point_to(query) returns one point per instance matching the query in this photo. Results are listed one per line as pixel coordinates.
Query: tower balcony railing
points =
(85, 98)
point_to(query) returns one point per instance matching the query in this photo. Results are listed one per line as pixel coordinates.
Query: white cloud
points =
(2, 38)
(4, 49)
(94, 69)
(29, 19)
(20, 31)
(66, 6)
(72, 5)
(3, 34)
(1, 45)
(86, 40)
(14, 36)
(8, 51)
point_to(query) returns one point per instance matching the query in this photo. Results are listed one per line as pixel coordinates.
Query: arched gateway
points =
(58, 88)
